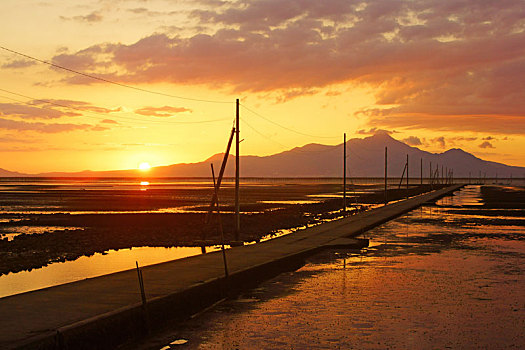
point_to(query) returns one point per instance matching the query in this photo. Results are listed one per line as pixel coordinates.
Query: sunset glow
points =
(161, 78)
(144, 166)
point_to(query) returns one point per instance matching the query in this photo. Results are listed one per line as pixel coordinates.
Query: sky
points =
(434, 74)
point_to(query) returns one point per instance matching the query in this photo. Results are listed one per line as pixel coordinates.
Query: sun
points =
(144, 166)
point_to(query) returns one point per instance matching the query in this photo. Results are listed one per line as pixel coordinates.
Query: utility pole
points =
(407, 176)
(430, 177)
(386, 176)
(421, 171)
(344, 174)
(237, 156)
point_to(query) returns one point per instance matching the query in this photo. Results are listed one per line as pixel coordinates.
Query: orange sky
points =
(437, 74)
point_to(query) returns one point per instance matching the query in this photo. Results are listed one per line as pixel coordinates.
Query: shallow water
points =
(429, 280)
(92, 266)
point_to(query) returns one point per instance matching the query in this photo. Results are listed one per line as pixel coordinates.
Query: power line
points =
(288, 148)
(285, 127)
(156, 92)
(263, 135)
(110, 81)
(103, 114)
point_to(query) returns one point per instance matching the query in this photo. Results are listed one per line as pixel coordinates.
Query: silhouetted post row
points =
(421, 171)
(386, 175)
(344, 173)
(407, 176)
(430, 177)
(237, 173)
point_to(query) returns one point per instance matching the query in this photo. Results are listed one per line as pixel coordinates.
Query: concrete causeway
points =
(102, 311)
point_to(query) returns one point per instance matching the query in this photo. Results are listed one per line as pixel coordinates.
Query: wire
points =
(261, 134)
(353, 153)
(295, 149)
(287, 128)
(103, 114)
(110, 81)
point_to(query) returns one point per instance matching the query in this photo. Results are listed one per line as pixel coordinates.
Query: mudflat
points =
(69, 232)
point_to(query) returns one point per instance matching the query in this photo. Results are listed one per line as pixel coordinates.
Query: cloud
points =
(428, 58)
(109, 121)
(18, 138)
(99, 128)
(48, 128)
(93, 17)
(146, 12)
(73, 104)
(29, 112)
(488, 138)
(486, 144)
(413, 141)
(373, 131)
(462, 138)
(440, 141)
(475, 123)
(50, 109)
(139, 10)
(16, 64)
(165, 111)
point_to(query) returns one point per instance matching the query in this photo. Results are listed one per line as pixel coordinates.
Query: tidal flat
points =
(62, 220)
(430, 279)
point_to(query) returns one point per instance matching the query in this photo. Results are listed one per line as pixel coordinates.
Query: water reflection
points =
(87, 267)
(429, 280)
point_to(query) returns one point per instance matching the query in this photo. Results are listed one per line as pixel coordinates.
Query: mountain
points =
(7, 173)
(365, 158)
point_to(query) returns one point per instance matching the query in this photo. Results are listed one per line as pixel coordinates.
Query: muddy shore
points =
(430, 279)
(97, 233)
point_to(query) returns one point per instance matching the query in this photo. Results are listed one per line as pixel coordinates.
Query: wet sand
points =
(67, 235)
(431, 279)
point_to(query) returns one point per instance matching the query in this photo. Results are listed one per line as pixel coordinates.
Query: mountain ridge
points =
(365, 158)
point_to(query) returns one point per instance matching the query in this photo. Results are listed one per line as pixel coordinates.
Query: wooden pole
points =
(143, 298)
(219, 219)
(386, 175)
(237, 172)
(221, 173)
(430, 177)
(344, 173)
(402, 177)
(421, 171)
(407, 176)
